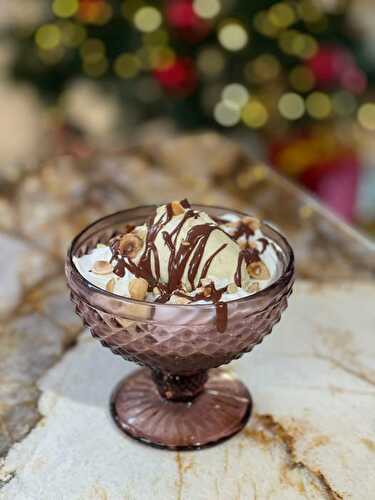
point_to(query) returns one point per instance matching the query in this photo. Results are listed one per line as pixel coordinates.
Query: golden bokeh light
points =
(147, 19)
(158, 37)
(309, 11)
(73, 35)
(65, 8)
(233, 36)
(161, 57)
(206, 8)
(263, 24)
(366, 116)
(211, 62)
(318, 105)
(48, 36)
(299, 44)
(343, 103)
(96, 69)
(92, 51)
(282, 15)
(127, 65)
(226, 114)
(254, 114)
(262, 69)
(302, 78)
(235, 94)
(291, 106)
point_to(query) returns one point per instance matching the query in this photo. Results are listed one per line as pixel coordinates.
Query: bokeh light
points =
(299, 44)
(97, 12)
(291, 106)
(158, 37)
(235, 94)
(127, 65)
(210, 62)
(309, 11)
(206, 8)
(366, 116)
(233, 36)
(73, 35)
(48, 36)
(343, 103)
(263, 25)
(95, 69)
(282, 15)
(318, 105)
(65, 8)
(147, 19)
(254, 114)
(226, 114)
(262, 69)
(92, 51)
(161, 57)
(302, 78)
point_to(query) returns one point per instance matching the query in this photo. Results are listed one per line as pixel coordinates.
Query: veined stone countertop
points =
(312, 434)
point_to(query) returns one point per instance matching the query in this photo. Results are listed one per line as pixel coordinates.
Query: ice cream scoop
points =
(179, 247)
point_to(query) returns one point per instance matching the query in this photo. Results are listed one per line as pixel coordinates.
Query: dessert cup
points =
(181, 399)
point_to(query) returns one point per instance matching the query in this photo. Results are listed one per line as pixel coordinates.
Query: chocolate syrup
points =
(248, 255)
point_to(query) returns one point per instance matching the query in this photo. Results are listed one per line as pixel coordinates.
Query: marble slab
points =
(311, 436)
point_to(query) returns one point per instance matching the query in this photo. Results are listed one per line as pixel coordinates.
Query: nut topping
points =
(110, 285)
(252, 222)
(258, 270)
(138, 288)
(177, 299)
(102, 267)
(232, 288)
(253, 287)
(129, 245)
(177, 208)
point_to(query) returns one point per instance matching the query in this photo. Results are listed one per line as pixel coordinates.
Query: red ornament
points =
(179, 78)
(181, 16)
(335, 66)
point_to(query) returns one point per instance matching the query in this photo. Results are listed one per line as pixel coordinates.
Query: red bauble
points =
(329, 63)
(179, 78)
(185, 22)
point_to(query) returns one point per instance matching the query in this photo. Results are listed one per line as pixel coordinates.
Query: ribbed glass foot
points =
(150, 412)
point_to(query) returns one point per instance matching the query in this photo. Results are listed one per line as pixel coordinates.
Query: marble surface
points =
(311, 435)
(45, 205)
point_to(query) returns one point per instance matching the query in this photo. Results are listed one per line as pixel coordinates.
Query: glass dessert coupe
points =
(175, 402)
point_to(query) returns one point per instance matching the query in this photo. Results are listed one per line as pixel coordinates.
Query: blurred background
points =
(292, 81)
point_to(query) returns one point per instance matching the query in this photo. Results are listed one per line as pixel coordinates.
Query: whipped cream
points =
(191, 247)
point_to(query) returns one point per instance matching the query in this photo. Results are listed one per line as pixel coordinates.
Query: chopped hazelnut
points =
(102, 267)
(253, 287)
(177, 208)
(129, 245)
(258, 270)
(110, 285)
(232, 288)
(138, 288)
(252, 222)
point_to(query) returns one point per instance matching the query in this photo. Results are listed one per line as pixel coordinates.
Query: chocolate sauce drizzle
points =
(187, 255)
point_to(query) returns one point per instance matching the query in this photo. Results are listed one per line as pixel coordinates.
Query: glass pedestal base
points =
(218, 411)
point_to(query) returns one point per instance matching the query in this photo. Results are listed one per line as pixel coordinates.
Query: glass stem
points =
(179, 387)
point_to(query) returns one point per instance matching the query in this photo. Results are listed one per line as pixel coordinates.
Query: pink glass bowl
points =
(175, 402)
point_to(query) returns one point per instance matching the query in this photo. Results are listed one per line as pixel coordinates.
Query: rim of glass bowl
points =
(127, 300)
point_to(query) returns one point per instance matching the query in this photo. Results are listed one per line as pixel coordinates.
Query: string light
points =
(226, 114)
(48, 36)
(263, 68)
(233, 36)
(210, 62)
(206, 8)
(366, 116)
(92, 51)
(235, 95)
(127, 65)
(301, 78)
(318, 105)
(282, 15)
(343, 103)
(254, 114)
(263, 25)
(147, 19)
(73, 35)
(291, 106)
(65, 8)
